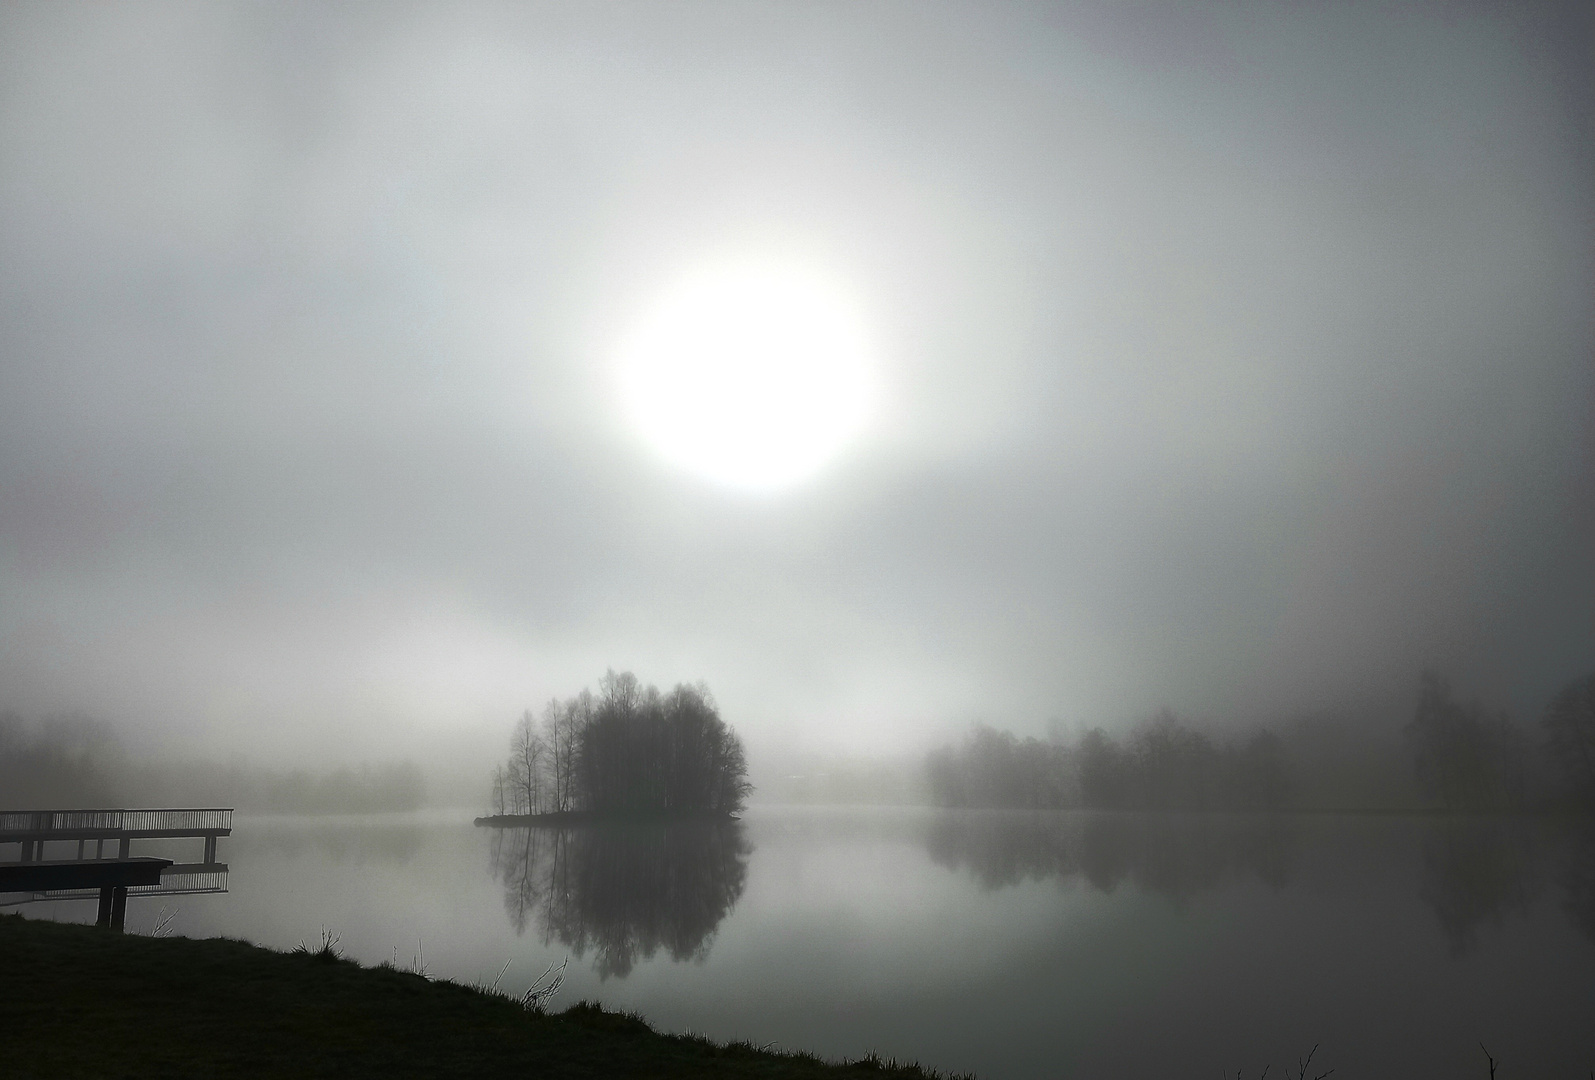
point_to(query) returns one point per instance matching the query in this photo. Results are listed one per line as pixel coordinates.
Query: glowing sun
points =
(751, 376)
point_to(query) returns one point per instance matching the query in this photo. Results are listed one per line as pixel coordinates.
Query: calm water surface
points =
(1015, 945)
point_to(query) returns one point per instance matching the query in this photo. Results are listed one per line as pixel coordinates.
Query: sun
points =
(752, 376)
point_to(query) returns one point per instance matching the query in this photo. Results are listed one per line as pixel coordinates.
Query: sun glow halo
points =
(749, 376)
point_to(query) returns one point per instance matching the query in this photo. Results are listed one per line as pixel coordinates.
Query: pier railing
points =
(46, 833)
(24, 825)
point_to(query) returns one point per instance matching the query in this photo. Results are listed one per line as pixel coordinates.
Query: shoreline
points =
(223, 1007)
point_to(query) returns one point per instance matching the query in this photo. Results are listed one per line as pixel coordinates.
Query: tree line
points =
(1461, 755)
(1166, 765)
(626, 749)
(76, 762)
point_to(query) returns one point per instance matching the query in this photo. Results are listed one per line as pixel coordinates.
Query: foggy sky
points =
(1236, 358)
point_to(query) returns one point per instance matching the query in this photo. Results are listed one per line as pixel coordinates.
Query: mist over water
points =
(1231, 360)
(1127, 469)
(1017, 944)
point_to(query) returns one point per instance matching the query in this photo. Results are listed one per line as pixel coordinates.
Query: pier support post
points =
(103, 918)
(118, 907)
(27, 851)
(127, 845)
(210, 848)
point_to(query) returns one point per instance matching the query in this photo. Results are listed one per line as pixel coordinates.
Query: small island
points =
(626, 753)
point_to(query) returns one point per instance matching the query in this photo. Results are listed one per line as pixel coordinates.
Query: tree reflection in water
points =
(1172, 855)
(1476, 871)
(623, 890)
(1578, 879)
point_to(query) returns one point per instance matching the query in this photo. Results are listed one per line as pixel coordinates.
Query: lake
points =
(1011, 944)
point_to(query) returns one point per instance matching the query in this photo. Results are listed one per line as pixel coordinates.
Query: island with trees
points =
(628, 751)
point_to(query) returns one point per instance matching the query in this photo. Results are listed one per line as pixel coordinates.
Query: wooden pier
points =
(111, 878)
(57, 862)
(33, 829)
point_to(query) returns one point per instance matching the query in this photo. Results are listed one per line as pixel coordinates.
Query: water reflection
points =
(1475, 872)
(1478, 871)
(623, 891)
(1578, 879)
(1176, 856)
(357, 843)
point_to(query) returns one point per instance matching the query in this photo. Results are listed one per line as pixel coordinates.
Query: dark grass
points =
(76, 1001)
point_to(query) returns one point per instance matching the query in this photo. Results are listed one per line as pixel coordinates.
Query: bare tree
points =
(526, 764)
(562, 722)
(628, 748)
(500, 790)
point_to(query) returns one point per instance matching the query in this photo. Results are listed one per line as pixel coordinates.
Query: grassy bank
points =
(81, 1002)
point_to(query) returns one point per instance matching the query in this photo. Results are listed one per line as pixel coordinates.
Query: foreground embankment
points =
(78, 1001)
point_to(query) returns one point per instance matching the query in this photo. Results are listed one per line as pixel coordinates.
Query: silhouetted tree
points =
(526, 765)
(562, 725)
(1167, 766)
(995, 769)
(1175, 768)
(628, 748)
(1104, 772)
(1261, 777)
(500, 793)
(1469, 759)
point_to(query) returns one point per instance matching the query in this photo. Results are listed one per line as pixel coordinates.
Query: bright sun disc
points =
(751, 376)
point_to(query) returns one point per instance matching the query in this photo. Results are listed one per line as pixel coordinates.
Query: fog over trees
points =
(1452, 754)
(1466, 757)
(1165, 765)
(75, 762)
(627, 749)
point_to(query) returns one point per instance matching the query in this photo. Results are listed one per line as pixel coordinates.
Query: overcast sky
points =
(1235, 358)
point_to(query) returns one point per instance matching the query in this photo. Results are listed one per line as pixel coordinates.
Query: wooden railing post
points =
(118, 907)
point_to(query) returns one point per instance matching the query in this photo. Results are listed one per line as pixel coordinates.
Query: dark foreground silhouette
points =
(78, 1001)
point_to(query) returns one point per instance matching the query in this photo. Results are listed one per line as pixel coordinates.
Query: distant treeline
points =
(1458, 755)
(1164, 766)
(626, 749)
(65, 762)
